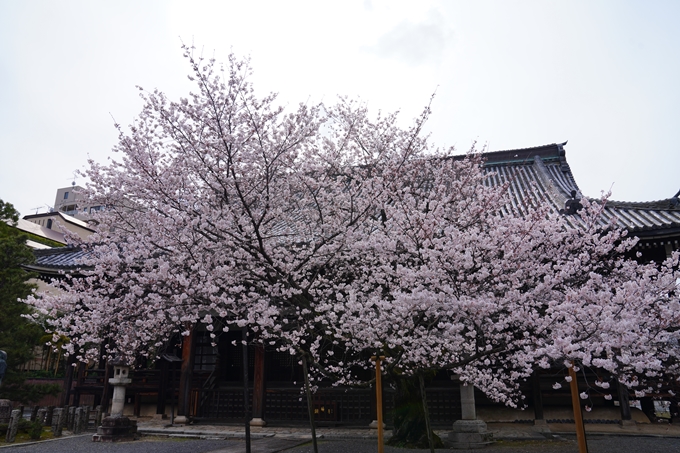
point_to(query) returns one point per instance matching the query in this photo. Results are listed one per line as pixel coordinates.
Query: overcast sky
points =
(604, 75)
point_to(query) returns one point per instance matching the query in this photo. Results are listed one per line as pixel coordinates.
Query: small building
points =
(70, 201)
(61, 223)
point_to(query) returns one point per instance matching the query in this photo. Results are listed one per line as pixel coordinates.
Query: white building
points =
(70, 201)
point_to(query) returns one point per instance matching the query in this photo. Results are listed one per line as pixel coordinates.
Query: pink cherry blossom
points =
(333, 234)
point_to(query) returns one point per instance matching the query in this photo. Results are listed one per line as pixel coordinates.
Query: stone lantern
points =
(117, 427)
(119, 380)
(468, 432)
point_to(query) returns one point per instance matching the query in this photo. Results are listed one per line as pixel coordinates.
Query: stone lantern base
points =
(467, 434)
(116, 429)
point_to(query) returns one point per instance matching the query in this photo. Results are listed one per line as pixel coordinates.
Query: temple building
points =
(198, 380)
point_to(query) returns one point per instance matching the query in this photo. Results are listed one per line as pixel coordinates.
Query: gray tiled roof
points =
(59, 258)
(533, 175)
(543, 172)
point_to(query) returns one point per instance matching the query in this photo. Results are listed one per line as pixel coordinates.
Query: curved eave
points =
(656, 233)
(54, 271)
(648, 222)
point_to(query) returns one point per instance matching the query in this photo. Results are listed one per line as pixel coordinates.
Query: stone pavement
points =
(511, 438)
(501, 431)
(159, 437)
(150, 444)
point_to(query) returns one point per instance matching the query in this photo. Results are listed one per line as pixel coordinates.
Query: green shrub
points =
(24, 425)
(3, 430)
(35, 431)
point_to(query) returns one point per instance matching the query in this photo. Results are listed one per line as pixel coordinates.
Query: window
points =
(66, 195)
(49, 223)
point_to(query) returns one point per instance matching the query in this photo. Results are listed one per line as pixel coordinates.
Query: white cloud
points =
(416, 43)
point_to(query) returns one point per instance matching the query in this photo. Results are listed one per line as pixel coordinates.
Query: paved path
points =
(596, 444)
(84, 444)
(513, 438)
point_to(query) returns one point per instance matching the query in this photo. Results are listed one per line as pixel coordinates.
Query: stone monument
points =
(5, 411)
(13, 426)
(3, 364)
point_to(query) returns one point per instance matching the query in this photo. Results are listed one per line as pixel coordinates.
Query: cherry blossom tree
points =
(223, 209)
(332, 234)
(464, 283)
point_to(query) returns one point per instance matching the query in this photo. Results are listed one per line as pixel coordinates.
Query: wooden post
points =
(578, 416)
(162, 389)
(246, 407)
(101, 365)
(79, 383)
(258, 388)
(374, 410)
(173, 400)
(538, 397)
(108, 372)
(378, 401)
(68, 381)
(624, 403)
(185, 378)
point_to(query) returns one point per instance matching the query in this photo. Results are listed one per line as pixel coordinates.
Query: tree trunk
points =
(310, 405)
(246, 405)
(426, 413)
(410, 426)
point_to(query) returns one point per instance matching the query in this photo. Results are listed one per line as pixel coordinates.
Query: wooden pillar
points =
(101, 366)
(108, 372)
(539, 418)
(624, 404)
(379, 403)
(185, 378)
(669, 249)
(68, 382)
(79, 383)
(258, 388)
(538, 397)
(163, 388)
